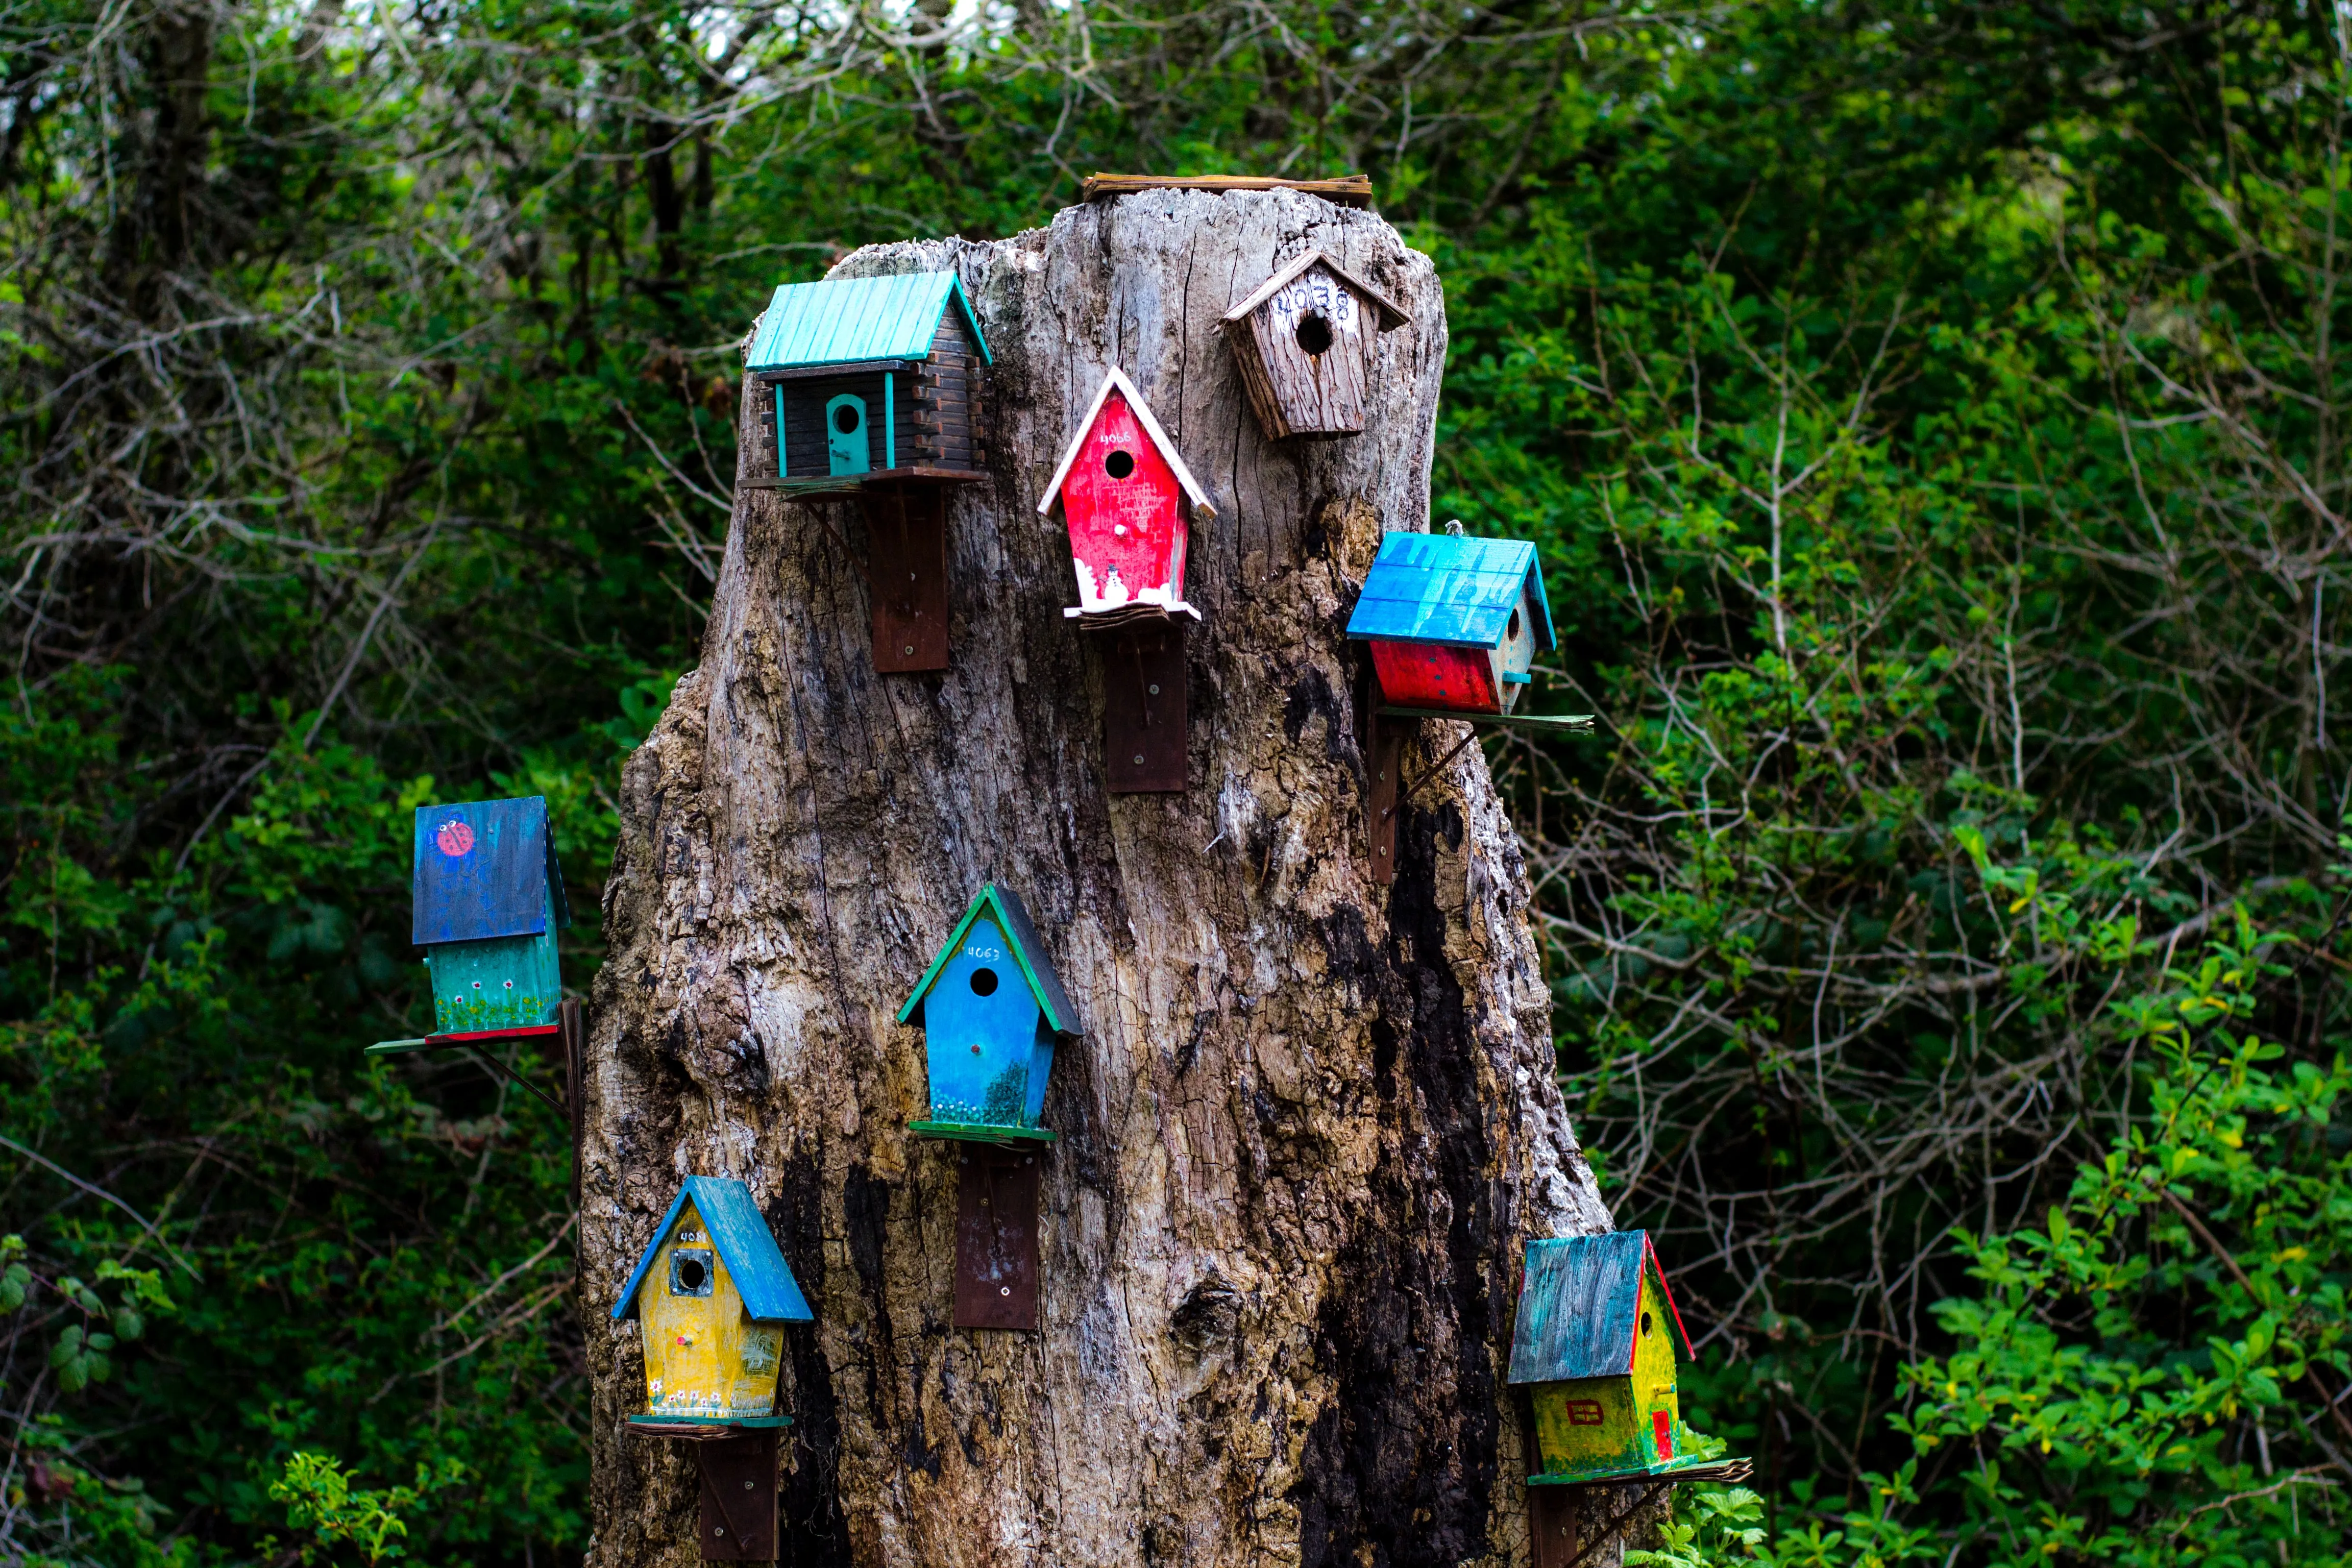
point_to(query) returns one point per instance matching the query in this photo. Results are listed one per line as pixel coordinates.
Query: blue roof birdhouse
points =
(1595, 1337)
(990, 1007)
(712, 1290)
(864, 378)
(488, 902)
(1453, 622)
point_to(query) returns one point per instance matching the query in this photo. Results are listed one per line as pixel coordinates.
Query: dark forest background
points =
(1933, 418)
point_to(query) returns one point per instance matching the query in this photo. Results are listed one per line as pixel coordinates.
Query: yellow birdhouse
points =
(712, 1293)
(1596, 1338)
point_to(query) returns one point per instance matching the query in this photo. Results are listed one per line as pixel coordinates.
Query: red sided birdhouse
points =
(1128, 501)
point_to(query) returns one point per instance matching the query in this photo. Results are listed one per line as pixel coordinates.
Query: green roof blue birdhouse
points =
(1595, 1338)
(488, 902)
(857, 379)
(1453, 622)
(989, 1008)
(712, 1290)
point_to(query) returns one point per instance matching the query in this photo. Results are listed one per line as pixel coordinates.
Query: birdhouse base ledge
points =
(1690, 1469)
(703, 1428)
(979, 1132)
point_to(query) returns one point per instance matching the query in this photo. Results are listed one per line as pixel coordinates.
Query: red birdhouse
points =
(1128, 501)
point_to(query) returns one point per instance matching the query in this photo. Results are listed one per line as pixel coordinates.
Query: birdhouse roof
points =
(484, 868)
(847, 320)
(1580, 1307)
(755, 1261)
(1450, 589)
(1038, 968)
(1391, 314)
(1117, 380)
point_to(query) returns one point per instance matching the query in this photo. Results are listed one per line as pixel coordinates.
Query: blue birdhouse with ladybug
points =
(991, 1009)
(488, 902)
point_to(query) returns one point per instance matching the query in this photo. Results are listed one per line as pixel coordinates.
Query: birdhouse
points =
(866, 379)
(1453, 622)
(1304, 340)
(712, 1293)
(990, 1007)
(1595, 1339)
(489, 901)
(1129, 501)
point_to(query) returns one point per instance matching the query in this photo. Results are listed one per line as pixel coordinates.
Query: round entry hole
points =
(1120, 464)
(845, 419)
(983, 983)
(1513, 629)
(690, 1273)
(1314, 334)
(1645, 1322)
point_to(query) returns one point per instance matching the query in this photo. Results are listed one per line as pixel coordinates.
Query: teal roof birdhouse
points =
(856, 379)
(488, 902)
(1595, 1339)
(990, 1009)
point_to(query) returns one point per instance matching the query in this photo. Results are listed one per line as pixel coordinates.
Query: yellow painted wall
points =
(1608, 1423)
(703, 1356)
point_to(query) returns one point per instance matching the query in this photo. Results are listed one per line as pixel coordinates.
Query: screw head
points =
(748, 1485)
(718, 1530)
(1155, 691)
(1139, 759)
(910, 650)
(1005, 1290)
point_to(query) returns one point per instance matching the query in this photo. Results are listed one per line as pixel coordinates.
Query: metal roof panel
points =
(762, 1277)
(846, 320)
(1577, 1306)
(484, 868)
(1449, 589)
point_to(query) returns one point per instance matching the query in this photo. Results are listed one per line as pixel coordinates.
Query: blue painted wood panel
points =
(1577, 1306)
(842, 321)
(770, 1294)
(1452, 589)
(484, 868)
(504, 983)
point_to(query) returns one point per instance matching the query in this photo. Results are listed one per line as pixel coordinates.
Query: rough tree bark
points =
(1311, 1120)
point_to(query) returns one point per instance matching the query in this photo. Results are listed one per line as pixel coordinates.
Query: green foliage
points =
(320, 1497)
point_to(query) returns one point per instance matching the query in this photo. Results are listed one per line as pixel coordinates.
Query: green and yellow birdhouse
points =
(488, 902)
(1596, 1339)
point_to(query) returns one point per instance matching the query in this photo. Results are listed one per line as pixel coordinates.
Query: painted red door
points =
(1126, 515)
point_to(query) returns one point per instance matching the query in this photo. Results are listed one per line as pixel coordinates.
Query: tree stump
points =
(1310, 1120)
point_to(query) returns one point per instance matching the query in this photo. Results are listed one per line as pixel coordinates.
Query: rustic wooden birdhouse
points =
(867, 379)
(711, 1293)
(488, 902)
(1595, 1340)
(1304, 340)
(872, 385)
(1130, 502)
(989, 1008)
(1453, 622)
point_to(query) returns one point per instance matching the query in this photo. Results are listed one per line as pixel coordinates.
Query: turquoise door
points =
(845, 435)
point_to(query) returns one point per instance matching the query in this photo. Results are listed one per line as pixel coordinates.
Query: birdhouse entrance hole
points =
(1314, 335)
(1120, 464)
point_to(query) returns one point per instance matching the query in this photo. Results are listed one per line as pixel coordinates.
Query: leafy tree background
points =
(1932, 417)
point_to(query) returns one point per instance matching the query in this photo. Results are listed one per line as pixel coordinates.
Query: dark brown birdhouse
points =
(1304, 339)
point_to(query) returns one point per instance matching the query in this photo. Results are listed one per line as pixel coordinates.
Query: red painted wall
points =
(1423, 675)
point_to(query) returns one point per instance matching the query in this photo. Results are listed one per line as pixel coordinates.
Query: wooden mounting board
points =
(1348, 190)
(996, 1237)
(1551, 1525)
(737, 1517)
(1144, 708)
(1383, 760)
(906, 544)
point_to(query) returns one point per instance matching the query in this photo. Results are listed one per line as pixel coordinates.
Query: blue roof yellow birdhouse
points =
(864, 378)
(1453, 622)
(488, 902)
(990, 1007)
(712, 1291)
(1596, 1335)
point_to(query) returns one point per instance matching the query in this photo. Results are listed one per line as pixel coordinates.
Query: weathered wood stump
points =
(1311, 1120)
